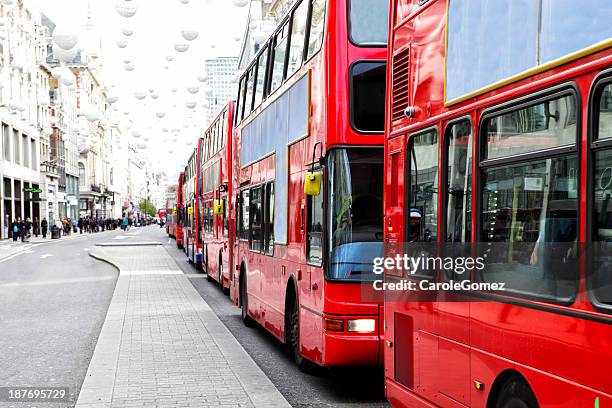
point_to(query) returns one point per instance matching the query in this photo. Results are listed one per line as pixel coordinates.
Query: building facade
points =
(221, 85)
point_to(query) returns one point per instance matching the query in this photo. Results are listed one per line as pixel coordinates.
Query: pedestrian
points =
(36, 227)
(44, 225)
(28, 229)
(22, 230)
(15, 229)
(80, 225)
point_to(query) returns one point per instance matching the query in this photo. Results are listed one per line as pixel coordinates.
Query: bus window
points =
(314, 230)
(239, 100)
(248, 100)
(459, 182)
(298, 32)
(542, 126)
(601, 276)
(368, 22)
(317, 25)
(269, 229)
(244, 215)
(256, 214)
(278, 58)
(356, 180)
(530, 203)
(225, 217)
(423, 159)
(261, 77)
(368, 81)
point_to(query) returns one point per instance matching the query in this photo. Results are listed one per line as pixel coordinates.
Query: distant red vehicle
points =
(171, 210)
(192, 234)
(218, 226)
(499, 132)
(180, 205)
(308, 182)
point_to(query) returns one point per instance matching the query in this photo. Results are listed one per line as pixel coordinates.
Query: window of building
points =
(298, 37)
(458, 182)
(16, 149)
(82, 181)
(314, 229)
(317, 26)
(6, 142)
(269, 224)
(368, 81)
(368, 22)
(257, 219)
(33, 154)
(279, 58)
(261, 76)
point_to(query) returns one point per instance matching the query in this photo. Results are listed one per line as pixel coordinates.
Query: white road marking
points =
(57, 281)
(121, 237)
(45, 256)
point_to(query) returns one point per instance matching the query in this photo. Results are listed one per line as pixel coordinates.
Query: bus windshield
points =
(355, 212)
(368, 22)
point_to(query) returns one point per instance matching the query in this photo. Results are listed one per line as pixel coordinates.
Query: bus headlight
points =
(362, 325)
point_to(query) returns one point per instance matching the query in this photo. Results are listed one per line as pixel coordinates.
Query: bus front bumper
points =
(346, 348)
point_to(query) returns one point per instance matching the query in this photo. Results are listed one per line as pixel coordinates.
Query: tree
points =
(147, 207)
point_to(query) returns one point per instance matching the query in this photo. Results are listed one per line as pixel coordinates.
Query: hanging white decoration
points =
(181, 47)
(122, 43)
(241, 3)
(160, 115)
(64, 39)
(190, 35)
(140, 95)
(126, 9)
(191, 105)
(193, 89)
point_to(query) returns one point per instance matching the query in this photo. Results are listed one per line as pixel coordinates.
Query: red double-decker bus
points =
(308, 181)
(180, 205)
(499, 132)
(171, 210)
(218, 231)
(192, 234)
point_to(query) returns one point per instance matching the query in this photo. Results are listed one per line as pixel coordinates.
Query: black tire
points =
(516, 393)
(244, 301)
(208, 277)
(293, 340)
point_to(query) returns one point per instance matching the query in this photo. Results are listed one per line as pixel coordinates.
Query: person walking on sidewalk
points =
(15, 229)
(36, 227)
(22, 230)
(44, 225)
(28, 229)
(80, 225)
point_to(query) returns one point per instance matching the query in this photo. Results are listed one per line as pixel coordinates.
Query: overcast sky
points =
(157, 27)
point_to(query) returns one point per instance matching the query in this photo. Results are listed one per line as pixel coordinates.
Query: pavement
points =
(162, 345)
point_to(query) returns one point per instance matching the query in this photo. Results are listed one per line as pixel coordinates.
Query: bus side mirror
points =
(218, 208)
(312, 183)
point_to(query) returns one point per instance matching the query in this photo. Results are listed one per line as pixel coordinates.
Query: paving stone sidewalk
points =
(162, 346)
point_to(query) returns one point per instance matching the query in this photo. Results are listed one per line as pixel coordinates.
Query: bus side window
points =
(458, 155)
(269, 217)
(314, 229)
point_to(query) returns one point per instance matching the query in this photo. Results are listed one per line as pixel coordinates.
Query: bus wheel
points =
(208, 277)
(303, 364)
(248, 320)
(516, 393)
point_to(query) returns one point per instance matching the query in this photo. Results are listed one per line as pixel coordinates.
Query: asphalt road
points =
(53, 301)
(354, 387)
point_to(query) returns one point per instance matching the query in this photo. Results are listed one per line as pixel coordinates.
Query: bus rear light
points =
(333, 324)
(362, 325)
